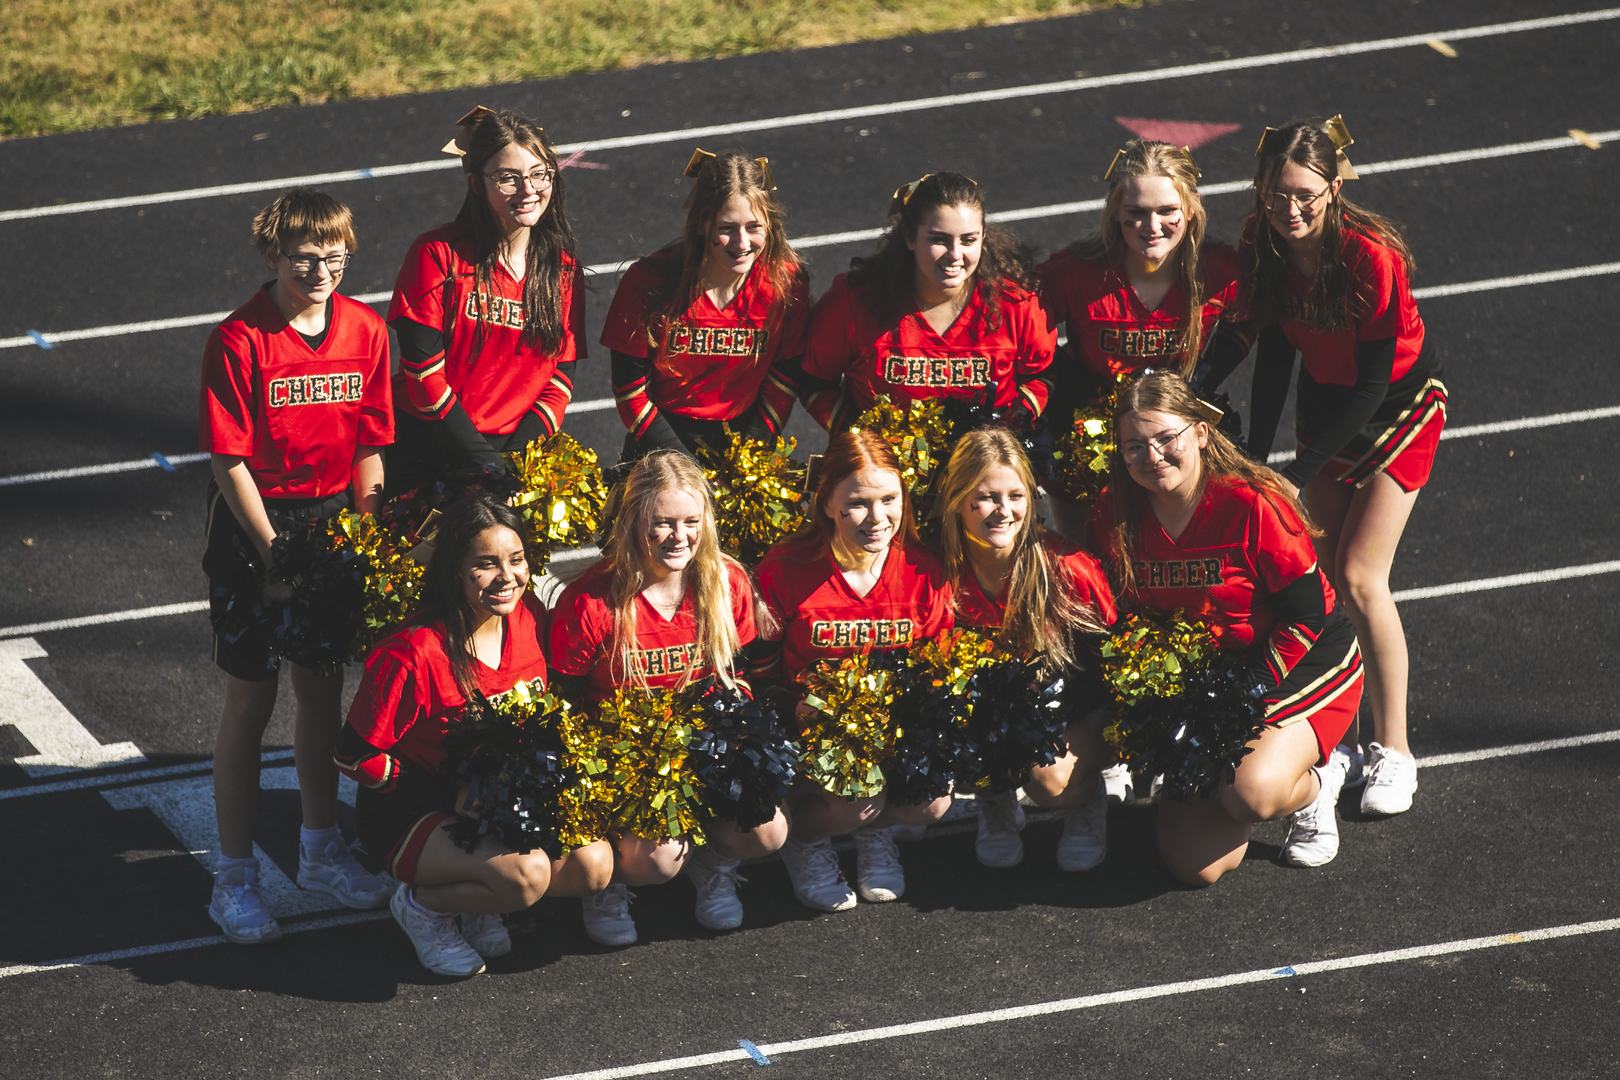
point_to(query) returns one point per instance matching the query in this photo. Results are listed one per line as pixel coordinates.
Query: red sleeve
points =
(777, 393)
(742, 604)
(579, 625)
(385, 707)
(828, 349)
(626, 332)
(1373, 274)
(377, 400)
(937, 608)
(228, 409)
(1090, 585)
(1037, 342)
(766, 663)
(552, 405)
(419, 296)
(1054, 290)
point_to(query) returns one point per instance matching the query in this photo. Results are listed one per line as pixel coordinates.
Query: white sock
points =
(225, 862)
(315, 840)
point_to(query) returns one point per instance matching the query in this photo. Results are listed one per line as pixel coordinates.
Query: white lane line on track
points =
(1496, 427)
(1536, 577)
(40, 339)
(945, 101)
(167, 464)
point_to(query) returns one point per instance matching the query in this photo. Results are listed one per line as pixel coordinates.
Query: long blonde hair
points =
(708, 575)
(1042, 609)
(1167, 392)
(1142, 157)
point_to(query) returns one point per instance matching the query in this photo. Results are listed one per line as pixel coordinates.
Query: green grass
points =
(67, 65)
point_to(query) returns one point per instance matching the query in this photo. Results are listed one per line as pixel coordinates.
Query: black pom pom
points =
(328, 585)
(933, 738)
(740, 754)
(514, 774)
(1018, 722)
(237, 609)
(1197, 738)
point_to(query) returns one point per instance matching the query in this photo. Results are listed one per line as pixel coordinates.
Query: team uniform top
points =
(999, 366)
(822, 618)
(483, 364)
(1244, 565)
(712, 363)
(1111, 332)
(1085, 576)
(667, 650)
(296, 413)
(408, 696)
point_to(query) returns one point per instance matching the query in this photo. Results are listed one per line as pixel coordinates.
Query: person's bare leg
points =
(248, 706)
(315, 730)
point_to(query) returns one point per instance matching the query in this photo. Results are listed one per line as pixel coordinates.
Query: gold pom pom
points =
(633, 753)
(845, 743)
(757, 489)
(918, 434)
(393, 587)
(1147, 656)
(1081, 453)
(562, 494)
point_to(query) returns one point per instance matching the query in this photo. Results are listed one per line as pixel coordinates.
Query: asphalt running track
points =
(1471, 936)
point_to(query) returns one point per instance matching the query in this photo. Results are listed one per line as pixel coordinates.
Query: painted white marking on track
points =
(1227, 187)
(944, 101)
(1537, 577)
(61, 743)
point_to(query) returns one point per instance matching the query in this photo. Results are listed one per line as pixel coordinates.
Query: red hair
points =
(848, 453)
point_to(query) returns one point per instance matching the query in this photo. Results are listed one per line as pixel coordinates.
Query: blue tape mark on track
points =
(39, 339)
(367, 174)
(163, 463)
(753, 1052)
(1285, 971)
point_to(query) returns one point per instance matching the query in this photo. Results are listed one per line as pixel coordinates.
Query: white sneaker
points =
(1349, 755)
(716, 879)
(337, 873)
(908, 834)
(1391, 781)
(1313, 832)
(1001, 819)
(607, 916)
(818, 880)
(439, 945)
(1084, 843)
(878, 873)
(1117, 782)
(238, 909)
(487, 934)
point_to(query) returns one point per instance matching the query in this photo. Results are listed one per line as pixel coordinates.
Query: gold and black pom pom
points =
(845, 743)
(313, 629)
(1083, 447)
(739, 753)
(561, 495)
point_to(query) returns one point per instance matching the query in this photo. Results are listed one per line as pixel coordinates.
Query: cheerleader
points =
(1333, 281)
(946, 307)
(1144, 291)
(1042, 596)
(663, 607)
(477, 635)
(709, 330)
(1190, 524)
(489, 309)
(853, 577)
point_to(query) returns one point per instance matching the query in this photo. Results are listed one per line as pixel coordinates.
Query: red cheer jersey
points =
(666, 650)
(1241, 546)
(970, 360)
(821, 617)
(710, 363)
(975, 608)
(296, 414)
(1383, 308)
(408, 695)
(1111, 332)
(485, 364)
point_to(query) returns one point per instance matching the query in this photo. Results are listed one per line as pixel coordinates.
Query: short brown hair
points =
(302, 215)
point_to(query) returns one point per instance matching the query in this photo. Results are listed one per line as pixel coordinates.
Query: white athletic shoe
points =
(1391, 781)
(1117, 782)
(878, 873)
(716, 879)
(336, 872)
(1084, 843)
(439, 945)
(487, 934)
(1313, 832)
(1001, 819)
(1349, 755)
(908, 834)
(818, 880)
(238, 909)
(607, 916)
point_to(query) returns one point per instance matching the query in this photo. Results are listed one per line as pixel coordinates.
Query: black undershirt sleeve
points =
(457, 437)
(1301, 603)
(1375, 365)
(1273, 368)
(626, 370)
(571, 688)
(1227, 348)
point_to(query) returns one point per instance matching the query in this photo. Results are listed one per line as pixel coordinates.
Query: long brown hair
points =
(728, 174)
(1042, 611)
(550, 239)
(1167, 392)
(444, 599)
(1331, 303)
(707, 576)
(1142, 157)
(890, 273)
(848, 453)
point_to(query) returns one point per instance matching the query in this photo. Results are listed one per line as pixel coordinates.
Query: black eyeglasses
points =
(1135, 451)
(538, 179)
(305, 264)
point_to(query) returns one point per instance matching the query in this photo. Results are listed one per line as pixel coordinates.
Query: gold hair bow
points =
(702, 157)
(1119, 155)
(904, 192)
(458, 145)
(1334, 128)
